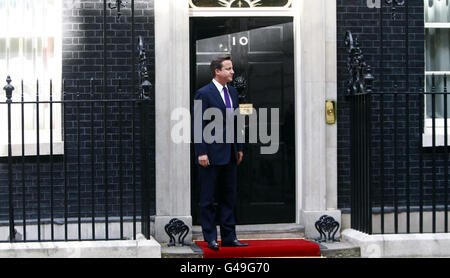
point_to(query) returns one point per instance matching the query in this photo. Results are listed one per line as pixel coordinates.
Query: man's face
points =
(225, 74)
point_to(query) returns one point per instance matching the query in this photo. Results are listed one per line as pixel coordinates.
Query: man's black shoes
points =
(213, 245)
(234, 243)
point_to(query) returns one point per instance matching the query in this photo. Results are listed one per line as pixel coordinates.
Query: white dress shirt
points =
(222, 94)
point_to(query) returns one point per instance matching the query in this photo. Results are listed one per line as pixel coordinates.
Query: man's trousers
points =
(223, 179)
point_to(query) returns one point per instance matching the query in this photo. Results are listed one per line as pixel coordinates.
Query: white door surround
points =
(315, 82)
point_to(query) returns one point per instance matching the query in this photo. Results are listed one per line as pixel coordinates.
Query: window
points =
(437, 62)
(30, 50)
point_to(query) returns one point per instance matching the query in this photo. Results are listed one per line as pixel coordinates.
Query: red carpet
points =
(264, 249)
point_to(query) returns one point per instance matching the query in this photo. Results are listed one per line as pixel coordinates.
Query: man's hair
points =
(216, 63)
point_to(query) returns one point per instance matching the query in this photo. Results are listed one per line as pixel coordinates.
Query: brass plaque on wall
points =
(246, 109)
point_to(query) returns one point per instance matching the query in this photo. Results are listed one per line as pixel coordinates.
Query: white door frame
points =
(315, 81)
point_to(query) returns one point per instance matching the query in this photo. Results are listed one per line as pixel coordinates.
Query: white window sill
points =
(30, 149)
(427, 137)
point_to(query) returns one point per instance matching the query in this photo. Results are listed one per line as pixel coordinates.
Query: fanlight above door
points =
(194, 4)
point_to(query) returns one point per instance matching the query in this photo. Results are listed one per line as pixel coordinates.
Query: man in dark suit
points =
(217, 161)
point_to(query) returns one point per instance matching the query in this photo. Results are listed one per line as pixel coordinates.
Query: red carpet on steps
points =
(264, 249)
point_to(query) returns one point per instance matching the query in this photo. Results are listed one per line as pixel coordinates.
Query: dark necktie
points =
(227, 101)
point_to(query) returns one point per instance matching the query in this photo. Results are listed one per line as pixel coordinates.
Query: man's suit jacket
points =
(218, 153)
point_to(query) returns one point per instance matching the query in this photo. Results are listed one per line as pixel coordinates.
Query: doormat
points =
(264, 249)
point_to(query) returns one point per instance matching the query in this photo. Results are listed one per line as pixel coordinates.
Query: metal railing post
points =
(359, 88)
(144, 94)
(9, 90)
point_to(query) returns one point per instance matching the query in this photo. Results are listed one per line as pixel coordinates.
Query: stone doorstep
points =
(263, 231)
(341, 249)
(259, 231)
(174, 252)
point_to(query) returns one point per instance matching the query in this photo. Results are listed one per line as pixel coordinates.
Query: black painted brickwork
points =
(83, 60)
(393, 73)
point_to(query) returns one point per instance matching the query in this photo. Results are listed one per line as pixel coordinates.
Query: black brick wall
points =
(394, 72)
(83, 60)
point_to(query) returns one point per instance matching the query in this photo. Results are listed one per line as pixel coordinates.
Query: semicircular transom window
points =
(240, 3)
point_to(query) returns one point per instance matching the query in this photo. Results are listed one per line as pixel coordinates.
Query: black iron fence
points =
(400, 161)
(75, 162)
(89, 178)
(400, 152)
(361, 213)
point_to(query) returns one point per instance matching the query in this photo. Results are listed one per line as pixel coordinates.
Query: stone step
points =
(260, 231)
(327, 250)
(177, 252)
(341, 249)
(263, 231)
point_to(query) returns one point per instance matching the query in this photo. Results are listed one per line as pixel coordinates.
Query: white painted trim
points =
(427, 136)
(172, 160)
(439, 124)
(437, 25)
(30, 149)
(235, 12)
(298, 99)
(437, 72)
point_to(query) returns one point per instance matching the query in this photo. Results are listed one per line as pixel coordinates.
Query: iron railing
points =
(98, 185)
(400, 160)
(98, 188)
(400, 153)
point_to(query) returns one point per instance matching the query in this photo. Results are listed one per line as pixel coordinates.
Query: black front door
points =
(262, 50)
